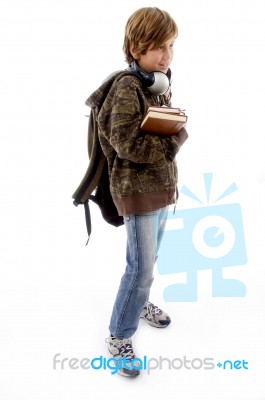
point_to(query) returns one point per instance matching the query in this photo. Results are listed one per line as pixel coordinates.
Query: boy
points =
(142, 171)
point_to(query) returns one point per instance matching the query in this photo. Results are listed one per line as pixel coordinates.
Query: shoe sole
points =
(154, 324)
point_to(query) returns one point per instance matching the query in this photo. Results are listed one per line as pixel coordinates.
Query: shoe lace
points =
(152, 309)
(125, 348)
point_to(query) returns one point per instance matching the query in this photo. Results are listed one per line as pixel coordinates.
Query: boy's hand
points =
(182, 136)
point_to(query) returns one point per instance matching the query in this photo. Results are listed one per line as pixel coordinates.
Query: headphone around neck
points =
(156, 82)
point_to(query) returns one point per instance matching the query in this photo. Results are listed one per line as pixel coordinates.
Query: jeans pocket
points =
(126, 218)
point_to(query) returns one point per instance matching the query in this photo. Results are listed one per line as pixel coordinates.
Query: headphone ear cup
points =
(156, 82)
(161, 84)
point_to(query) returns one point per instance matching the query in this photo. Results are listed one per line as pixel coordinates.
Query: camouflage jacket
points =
(142, 167)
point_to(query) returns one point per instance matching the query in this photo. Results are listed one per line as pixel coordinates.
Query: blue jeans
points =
(144, 234)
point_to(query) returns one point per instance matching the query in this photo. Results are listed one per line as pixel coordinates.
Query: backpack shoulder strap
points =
(97, 161)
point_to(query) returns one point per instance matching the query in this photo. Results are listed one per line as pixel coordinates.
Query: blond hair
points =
(147, 28)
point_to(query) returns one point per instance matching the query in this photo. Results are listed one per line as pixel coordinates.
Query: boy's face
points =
(157, 59)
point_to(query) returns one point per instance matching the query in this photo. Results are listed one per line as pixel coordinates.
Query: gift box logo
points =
(207, 237)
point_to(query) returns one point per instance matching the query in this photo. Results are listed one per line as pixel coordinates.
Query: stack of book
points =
(163, 120)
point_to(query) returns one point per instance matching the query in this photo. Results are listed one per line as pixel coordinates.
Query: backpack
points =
(96, 179)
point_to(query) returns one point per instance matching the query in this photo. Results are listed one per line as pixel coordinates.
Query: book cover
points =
(163, 120)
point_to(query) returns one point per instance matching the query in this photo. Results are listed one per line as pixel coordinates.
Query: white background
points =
(56, 294)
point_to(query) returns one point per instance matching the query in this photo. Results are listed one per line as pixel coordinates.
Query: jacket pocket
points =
(154, 178)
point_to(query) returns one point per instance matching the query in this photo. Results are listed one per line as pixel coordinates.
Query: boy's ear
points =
(134, 52)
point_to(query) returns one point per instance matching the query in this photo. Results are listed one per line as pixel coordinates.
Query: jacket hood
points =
(96, 99)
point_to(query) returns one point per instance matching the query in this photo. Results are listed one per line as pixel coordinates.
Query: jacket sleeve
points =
(172, 144)
(119, 120)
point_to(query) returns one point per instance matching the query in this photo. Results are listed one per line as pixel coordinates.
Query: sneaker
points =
(154, 316)
(121, 349)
